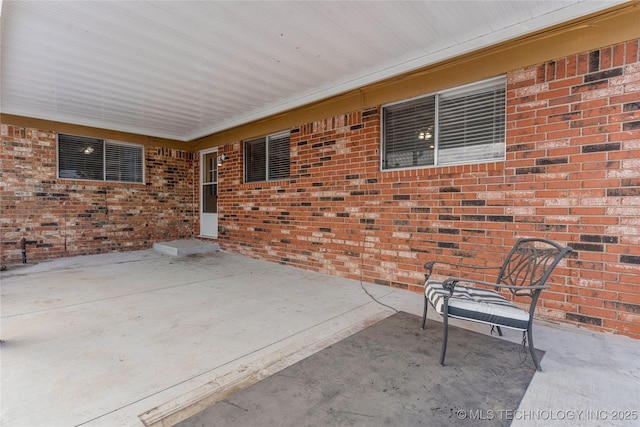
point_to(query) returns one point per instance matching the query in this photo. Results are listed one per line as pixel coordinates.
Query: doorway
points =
(209, 193)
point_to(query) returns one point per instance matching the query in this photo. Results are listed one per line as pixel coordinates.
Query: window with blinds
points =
(267, 158)
(81, 157)
(458, 126)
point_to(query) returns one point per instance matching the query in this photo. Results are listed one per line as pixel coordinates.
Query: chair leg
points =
(532, 349)
(499, 330)
(424, 313)
(445, 333)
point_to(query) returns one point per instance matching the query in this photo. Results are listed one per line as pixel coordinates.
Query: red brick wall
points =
(60, 217)
(572, 174)
(575, 139)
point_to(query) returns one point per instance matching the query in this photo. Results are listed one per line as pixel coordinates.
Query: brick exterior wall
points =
(572, 174)
(61, 217)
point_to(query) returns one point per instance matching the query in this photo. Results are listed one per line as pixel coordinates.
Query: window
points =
(81, 157)
(267, 158)
(458, 126)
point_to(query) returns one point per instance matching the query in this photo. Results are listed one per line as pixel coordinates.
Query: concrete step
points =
(186, 247)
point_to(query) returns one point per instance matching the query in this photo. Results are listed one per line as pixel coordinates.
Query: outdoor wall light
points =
(221, 158)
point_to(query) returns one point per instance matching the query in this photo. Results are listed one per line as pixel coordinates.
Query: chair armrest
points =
(495, 285)
(429, 265)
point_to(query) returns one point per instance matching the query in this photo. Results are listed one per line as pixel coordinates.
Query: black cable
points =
(364, 236)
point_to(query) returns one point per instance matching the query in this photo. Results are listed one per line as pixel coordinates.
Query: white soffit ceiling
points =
(186, 69)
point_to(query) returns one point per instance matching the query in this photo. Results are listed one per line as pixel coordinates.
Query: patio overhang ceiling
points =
(184, 70)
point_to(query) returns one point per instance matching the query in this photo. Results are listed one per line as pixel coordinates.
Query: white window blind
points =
(463, 125)
(123, 162)
(267, 158)
(409, 133)
(255, 155)
(278, 147)
(81, 157)
(471, 124)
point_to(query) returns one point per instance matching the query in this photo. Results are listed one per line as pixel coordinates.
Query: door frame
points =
(212, 229)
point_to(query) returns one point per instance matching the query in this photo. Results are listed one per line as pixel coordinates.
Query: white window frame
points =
(105, 159)
(268, 141)
(492, 151)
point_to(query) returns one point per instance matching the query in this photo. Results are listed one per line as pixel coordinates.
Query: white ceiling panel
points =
(186, 69)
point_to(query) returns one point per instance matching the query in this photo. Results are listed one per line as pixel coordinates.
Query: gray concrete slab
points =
(143, 338)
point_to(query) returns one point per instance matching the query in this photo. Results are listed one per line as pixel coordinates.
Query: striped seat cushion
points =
(481, 305)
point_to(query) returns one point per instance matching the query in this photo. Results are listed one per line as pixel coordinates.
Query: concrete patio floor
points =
(145, 338)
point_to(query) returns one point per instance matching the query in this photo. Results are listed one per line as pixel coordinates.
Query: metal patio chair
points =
(524, 273)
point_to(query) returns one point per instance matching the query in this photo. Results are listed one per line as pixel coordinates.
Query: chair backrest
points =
(530, 263)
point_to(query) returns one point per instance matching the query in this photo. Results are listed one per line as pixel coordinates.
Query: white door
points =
(209, 193)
